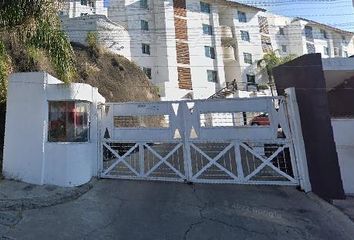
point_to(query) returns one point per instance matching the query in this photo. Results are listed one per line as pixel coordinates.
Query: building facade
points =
(192, 48)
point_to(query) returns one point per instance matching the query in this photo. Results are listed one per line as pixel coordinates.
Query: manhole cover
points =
(9, 219)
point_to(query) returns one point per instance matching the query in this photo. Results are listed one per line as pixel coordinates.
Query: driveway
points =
(117, 209)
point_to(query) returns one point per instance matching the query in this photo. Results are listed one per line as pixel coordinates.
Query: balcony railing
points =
(228, 53)
(226, 31)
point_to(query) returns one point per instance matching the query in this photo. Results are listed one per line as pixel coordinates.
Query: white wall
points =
(111, 35)
(344, 139)
(73, 8)
(28, 156)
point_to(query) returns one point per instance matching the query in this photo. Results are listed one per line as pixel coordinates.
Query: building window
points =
(212, 76)
(207, 29)
(266, 44)
(284, 48)
(147, 72)
(144, 25)
(68, 121)
(281, 31)
(241, 16)
(323, 33)
(326, 51)
(343, 38)
(247, 58)
(245, 36)
(310, 48)
(209, 52)
(308, 33)
(145, 48)
(345, 53)
(263, 25)
(144, 4)
(251, 79)
(84, 2)
(204, 7)
(336, 51)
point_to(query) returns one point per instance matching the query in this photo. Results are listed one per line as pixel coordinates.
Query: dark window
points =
(68, 121)
(212, 76)
(310, 48)
(251, 79)
(209, 52)
(283, 48)
(145, 48)
(247, 57)
(281, 31)
(324, 34)
(326, 50)
(308, 33)
(84, 2)
(207, 29)
(241, 16)
(147, 72)
(144, 4)
(144, 25)
(245, 36)
(204, 7)
(266, 44)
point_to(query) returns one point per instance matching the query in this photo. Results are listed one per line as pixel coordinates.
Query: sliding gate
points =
(207, 141)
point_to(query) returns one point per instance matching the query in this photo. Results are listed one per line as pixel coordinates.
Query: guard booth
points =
(50, 130)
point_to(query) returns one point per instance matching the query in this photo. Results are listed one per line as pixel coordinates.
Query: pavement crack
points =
(190, 227)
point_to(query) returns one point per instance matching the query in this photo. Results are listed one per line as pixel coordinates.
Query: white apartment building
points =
(192, 48)
(77, 8)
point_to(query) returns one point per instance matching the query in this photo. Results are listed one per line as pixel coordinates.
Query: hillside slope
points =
(116, 78)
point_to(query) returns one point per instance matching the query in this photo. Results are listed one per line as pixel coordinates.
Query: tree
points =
(271, 60)
(34, 24)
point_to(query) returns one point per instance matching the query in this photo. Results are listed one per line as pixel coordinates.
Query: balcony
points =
(226, 31)
(228, 54)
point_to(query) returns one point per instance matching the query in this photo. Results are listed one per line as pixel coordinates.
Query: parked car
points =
(260, 120)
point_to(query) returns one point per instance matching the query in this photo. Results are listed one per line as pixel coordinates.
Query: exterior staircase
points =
(230, 88)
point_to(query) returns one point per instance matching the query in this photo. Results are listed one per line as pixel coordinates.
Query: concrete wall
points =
(111, 35)
(28, 156)
(306, 75)
(344, 139)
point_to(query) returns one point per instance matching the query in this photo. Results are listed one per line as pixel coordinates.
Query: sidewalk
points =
(16, 195)
(346, 206)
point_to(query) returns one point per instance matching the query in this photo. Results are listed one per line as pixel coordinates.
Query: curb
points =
(344, 222)
(44, 201)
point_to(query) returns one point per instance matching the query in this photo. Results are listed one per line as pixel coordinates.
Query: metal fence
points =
(214, 141)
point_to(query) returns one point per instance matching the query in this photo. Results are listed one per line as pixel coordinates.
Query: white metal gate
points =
(208, 141)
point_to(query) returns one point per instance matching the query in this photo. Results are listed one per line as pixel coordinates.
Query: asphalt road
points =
(117, 209)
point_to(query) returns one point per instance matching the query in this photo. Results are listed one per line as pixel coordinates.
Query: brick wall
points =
(179, 7)
(182, 53)
(184, 78)
(182, 48)
(181, 28)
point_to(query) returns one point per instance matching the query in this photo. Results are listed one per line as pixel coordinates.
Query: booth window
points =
(68, 121)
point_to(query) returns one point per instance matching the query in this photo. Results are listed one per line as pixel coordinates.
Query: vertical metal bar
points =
(141, 159)
(240, 173)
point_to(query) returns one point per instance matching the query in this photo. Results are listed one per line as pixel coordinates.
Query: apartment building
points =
(193, 48)
(77, 8)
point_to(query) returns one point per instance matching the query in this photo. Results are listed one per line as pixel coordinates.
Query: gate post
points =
(99, 116)
(184, 119)
(297, 139)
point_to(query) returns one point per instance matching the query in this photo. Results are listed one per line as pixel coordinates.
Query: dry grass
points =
(116, 78)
